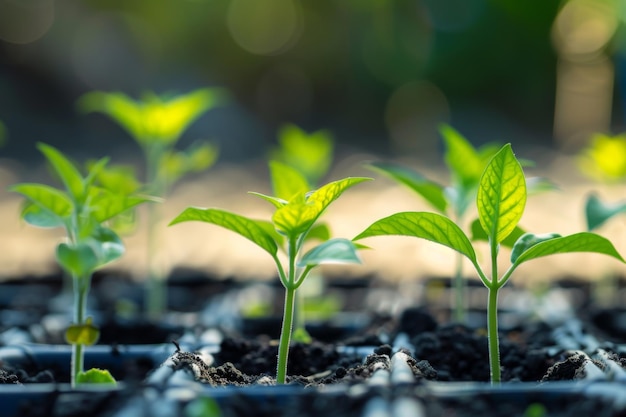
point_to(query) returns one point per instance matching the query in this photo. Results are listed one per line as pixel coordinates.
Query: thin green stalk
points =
(81, 288)
(492, 318)
(285, 331)
(285, 336)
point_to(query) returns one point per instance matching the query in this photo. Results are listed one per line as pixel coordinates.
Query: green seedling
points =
(500, 200)
(84, 209)
(604, 160)
(465, 165)
(307, 158)
(292, 225)
(157, 123)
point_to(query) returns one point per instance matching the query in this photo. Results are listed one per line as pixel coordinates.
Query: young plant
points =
(500, 200)
(303, 159)
(83, 209)
(293, 223)
(604, 160)
(466, 165)
(156, 123)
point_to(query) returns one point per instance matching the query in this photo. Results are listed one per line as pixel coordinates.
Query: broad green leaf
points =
(276, 202)
(432, 192)
(597, 212)
(271, 230)
(424, 225)
(48, 198)
(107, 245)
(106, 204)
(501, 195)
(239, 224)
(80, 260)
(96, 376)
(579, 242)
(287, 181)
(69, 174)
(37, 216)
(527, 241)
(82, 334)
(297, 216)
(331, 251)
(477, 233)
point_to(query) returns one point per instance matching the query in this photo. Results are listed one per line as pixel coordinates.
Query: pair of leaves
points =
(82, 258)
(500, 201)
(154, 118)
(294, 219)
(176, 164)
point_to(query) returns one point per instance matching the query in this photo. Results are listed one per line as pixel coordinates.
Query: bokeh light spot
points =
(413, 115)
(25, 21)
(266, 27)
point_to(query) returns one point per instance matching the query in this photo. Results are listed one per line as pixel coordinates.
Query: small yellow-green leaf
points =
(501, 197)
(461, 157)
(119, 107)
(319, 232)
(297, 216)
(578, 242)
(106, 204)
(82, 334)
(430, 226)
(106, 244)
(331, 191)
(244, 226)
(275, 201)
(286, 180)
(96, 376)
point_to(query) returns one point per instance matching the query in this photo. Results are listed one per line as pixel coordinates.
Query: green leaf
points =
(95, 376)
(106, 244)
(106, 204)
(424, 225)
(40, 217)
(579, 242)
(119, 179)
(82, 334)
(297, 216)
(301, 212)
(432, 192)
(332, 251)
(319, 231)
(119, 107)
(527, 241)
(239, 224)
(50, 199)
(79, 260)
(287, 181)
(478, 234)
(311, 154)
(501, 195)
(271, 230)
(69, 174)
(275, 201)
(597, 212)
(462, 158)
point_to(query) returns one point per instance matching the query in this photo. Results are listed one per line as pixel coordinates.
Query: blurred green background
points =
(381, 75)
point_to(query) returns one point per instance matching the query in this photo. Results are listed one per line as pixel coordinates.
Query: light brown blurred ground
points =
(25, 249)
